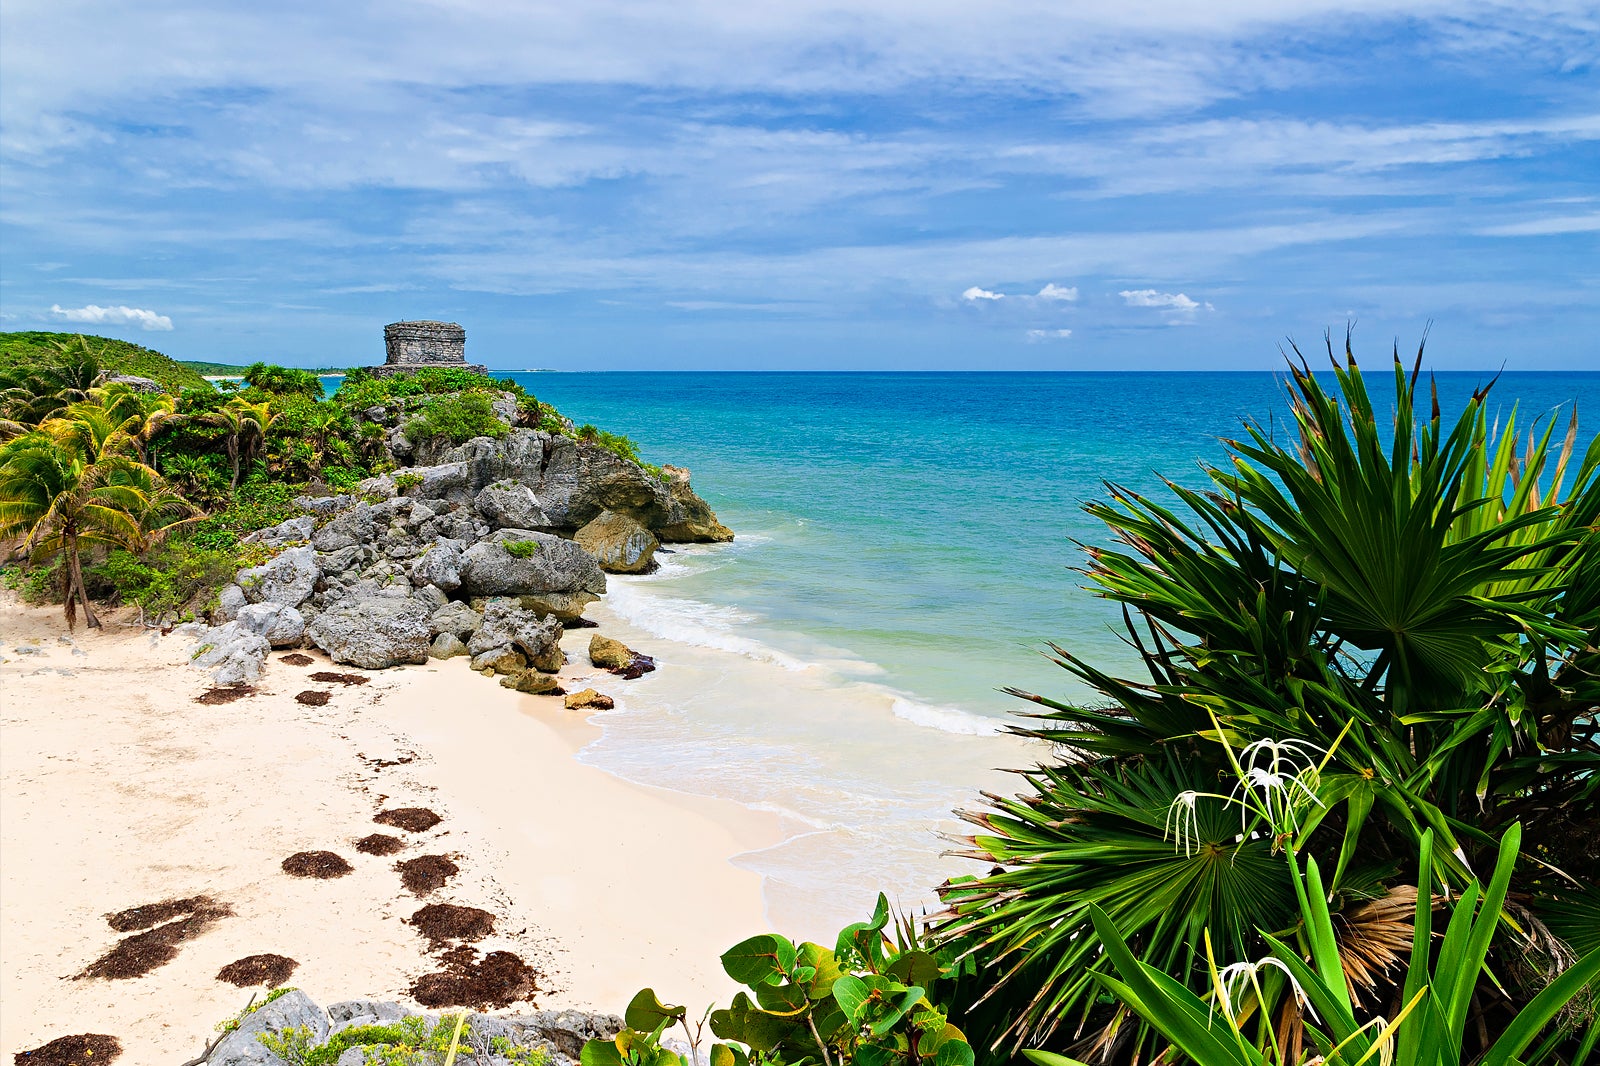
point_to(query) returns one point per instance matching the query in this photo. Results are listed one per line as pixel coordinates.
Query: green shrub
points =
(407, 482)
(37, 585)
(458, 419)
(408, 1042)
(169, 577)
(283, 380)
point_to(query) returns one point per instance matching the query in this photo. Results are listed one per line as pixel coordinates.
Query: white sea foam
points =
(945, 719)
(699, 625)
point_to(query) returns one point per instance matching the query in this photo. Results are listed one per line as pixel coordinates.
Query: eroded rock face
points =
(447, 646)
(375, 633)
(243, 1046)
(619, 544)
(288, 578)
(512, 505)
(557, 577)
(457, 619)
(281, 626)
(232, 653)
(440, 565)
(506, 623)
(532, 682)
(690, 518)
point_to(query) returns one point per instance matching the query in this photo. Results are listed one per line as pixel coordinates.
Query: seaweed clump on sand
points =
(497, 980)
(79, 1050)
(318, 864)
(426, 873)
(269, 970)
(137, 955)
(440, 922)
(380, 844)
(411, 819)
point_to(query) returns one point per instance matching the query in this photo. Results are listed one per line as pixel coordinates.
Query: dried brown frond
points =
(1374, 937)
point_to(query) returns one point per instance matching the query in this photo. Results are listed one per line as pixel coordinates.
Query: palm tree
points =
(28, 397)
(1405, 602)
(245, 427)
(72, 483)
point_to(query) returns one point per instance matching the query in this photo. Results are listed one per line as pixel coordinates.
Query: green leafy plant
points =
(868, 1000)
(521, 549)
(406, 482)
(458, 419)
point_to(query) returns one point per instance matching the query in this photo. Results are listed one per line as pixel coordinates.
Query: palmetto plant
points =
(73, 482)
(1418, 597)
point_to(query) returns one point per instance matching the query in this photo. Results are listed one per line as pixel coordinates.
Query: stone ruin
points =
(415, 345)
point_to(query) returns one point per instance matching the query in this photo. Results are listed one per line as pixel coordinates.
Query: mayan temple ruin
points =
(413, 346)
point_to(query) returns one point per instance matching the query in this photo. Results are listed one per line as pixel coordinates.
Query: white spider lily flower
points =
(1279, 778)
(1248, 974)
(1181, 822)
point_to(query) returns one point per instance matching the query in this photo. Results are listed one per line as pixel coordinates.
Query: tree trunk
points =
(75, 568)
(233, 457)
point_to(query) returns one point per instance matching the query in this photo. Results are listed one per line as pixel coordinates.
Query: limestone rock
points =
(690, 519)
(293, 531)
(502, 660)
(610, 654)
(511, 505)
(440, 565)
(559, 576)
(532, 682)
(353, 1012)
(243, 1046)
(289, 578)
(348, 528)
(447, 646)
(376, 632)
(589, 698)
(506, 623)
(282, 626)
(232, 653)
(229, 600)
(457, 619)
(618, 543)
(136, 383)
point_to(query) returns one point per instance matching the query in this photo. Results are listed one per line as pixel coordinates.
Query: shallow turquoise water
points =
(923, 523)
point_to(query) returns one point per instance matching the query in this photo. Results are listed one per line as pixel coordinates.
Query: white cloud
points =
(975, 294)
(1037, 335)
(1166, 301)
(1052, 291)
(113, 316)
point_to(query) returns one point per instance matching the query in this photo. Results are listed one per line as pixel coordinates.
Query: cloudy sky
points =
(705, 184)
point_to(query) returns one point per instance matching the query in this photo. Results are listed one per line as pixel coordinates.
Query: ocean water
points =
(905, 547)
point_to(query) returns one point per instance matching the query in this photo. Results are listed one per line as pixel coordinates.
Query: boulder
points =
(457, 619)
(232, 653)
(341, 560)
(283, 627)
(689, 519)
(440, 565)
(229, 600)
(533, 683)
(619, 544)
(375, 632)
(589, 698)
(511, 505)
(555, 576)
(289, 578)
(617, 657)
(506, 623)
(502, 660)
(243, 1046)
(294, 531)
(352, 527)
(573, 480)
(447, 646)
(136, 383)
(353, 1012)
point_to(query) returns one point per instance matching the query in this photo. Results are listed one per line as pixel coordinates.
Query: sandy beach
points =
(121, 790)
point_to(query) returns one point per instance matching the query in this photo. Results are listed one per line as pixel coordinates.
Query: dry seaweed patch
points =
(213, 696)
(269, 970)
(85, 1049)
(319, 864)
(497, 980)
(426, 873)
(137, 955)
(296, 658)
(343, 679)
(311, 698)
(380, 844)
(411, 819)
(440, 922)
(143, 917)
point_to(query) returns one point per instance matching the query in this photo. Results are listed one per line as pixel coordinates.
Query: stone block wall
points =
(411, 343)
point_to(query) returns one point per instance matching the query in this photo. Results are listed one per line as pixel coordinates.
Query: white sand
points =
(120, 790)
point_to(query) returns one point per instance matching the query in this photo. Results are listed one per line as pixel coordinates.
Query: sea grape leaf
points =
(894, 1007)
(600, 1053)
(914, 968)
(723, 1055)
(851, 993)
(825, 967)
(762, 1030)
(954, 1053)
(873, 1055)
(784, 999)
(766, 958)
(866, 938)
(647, 1013)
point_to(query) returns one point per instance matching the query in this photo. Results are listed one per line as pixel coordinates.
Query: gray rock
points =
(440, 565)
(432, 596)
(363, 1012)
(559, 577)
(229, 600)
(231, 652)
(283, 627)
(341, 560)
(287, 579)
(324, 505)
(533, 683)
(618, 543)
(457, 619)
(502, 660)
(447, 646)
(136, 383)
(511, 505)
(29, 649)
(375, 632)
(295, 530)
(347, 528)
(689, 518)
(243, 1046)
(506, 623)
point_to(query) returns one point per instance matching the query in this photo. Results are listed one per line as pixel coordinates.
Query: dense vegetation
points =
(143, 498)
(23, 352)
(1349, 814)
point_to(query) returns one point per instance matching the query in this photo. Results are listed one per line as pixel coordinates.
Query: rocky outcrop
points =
(619, 544)
(280, 625)
(447, 646)
(589, 699)
(690, 519)
(377, 632)
(243, 1046)
(554, 576)
(617, 657)
(507, 624)
(287, 579)
(233, 653)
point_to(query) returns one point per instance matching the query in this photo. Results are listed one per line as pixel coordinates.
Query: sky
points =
(884, 184)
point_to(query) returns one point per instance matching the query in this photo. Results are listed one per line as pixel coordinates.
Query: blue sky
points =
(704, 184)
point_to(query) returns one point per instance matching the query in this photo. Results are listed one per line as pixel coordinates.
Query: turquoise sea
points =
(905, 545)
